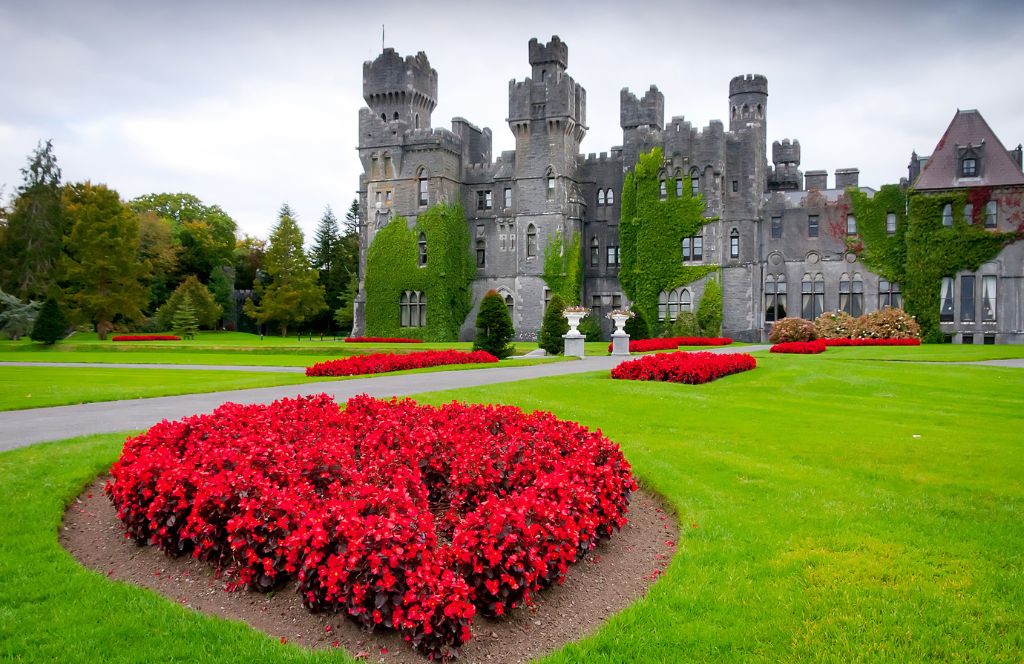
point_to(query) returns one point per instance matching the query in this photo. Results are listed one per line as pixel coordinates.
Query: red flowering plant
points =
(374, 363)
(704, 341)
(400, 516)
(146, 337)
(801, 347)
(671, 343)
(907, 341)
(682, 367)
(381, 340)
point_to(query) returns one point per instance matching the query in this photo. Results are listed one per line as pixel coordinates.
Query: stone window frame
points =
(422, 249)
(890, 223)
(816, 225)
(531, 241)
(947, 300)
(734, 243)
(550, 184)
(991, 214)
(595, 252)
(508, 198)
(609, 197)
(600, 198)
(851, 224)
(694, 182)
(947, 215)
(481, 253)
(775, 297)
(889, 294)
(776, 227)
(412, 309)
(423, 187)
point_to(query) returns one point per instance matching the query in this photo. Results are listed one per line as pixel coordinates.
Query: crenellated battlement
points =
(391, 73)
(786, 152)
(748, 84)
(648, 110)
(554, 52)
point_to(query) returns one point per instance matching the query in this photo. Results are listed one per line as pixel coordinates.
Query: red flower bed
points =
(704, 341)
(800, 347)
(872, 342)
(682, 367)
(381, 340)
(147, 337)
(374, 363)
(403, 516)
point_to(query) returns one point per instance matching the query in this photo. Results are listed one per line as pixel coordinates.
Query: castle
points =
(781, 237)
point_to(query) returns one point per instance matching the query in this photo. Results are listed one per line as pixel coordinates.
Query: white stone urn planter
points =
(620, 340)
(573, 339)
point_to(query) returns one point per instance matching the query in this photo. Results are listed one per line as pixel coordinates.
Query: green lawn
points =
(833, 511)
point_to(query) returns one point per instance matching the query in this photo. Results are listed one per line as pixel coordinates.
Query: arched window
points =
(416, 119)
(413, 309)
(819, 295)
(947, 215)
(968, 213)
(694, 182)
(812, 296)
(662, 191)
(685, 302)
(423, 249)
(734, 244)
(844, 294)
(610, 197)
(679, 185)
(595, 251)
(531, 241)
(395, 116)
(422, 309)
(424, 187)
(384, 117)
(600, 198)
(990, 214)
(662, 305)
(543, 74)
(857, 296)
(673, 306)
(511, 304)
(403, 307)
(481, 253)
(550, 188)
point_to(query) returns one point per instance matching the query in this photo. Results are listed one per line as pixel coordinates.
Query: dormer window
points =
(968, 167)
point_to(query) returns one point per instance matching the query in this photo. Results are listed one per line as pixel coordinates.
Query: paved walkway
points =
(19, 428)
(127, 365)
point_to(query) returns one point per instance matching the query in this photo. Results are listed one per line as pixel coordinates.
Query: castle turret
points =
(748, 101)
(785, 173)
(401, 89)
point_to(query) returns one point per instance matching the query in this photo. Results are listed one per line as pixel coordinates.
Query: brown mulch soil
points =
(608, 580)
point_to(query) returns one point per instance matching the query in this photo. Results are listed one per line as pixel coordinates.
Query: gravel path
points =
(26, 427)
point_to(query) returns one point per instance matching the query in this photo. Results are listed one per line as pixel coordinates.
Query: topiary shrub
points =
(792, 329)
(709, 311)
(494, 329)
(888, 323)
(553, 327)
(834, 325)
(684, 326)
(637, 327)
(51, 324)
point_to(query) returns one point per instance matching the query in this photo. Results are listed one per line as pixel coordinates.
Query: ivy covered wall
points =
(922, 250)
(563, 268)
(651, 232)
(392, 267)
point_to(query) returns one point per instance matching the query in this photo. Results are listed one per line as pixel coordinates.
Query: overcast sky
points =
(251, 104)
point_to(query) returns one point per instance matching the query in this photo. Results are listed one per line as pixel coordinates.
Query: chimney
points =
(816, 180)
(847, 177)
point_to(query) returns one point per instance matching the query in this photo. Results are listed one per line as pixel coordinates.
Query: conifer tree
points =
(51, 324)
(205, 307)
(16, 317)
(33, 240)
(553, 327)
(101, 269)
(330, 259)
(185, 323)
(494, 330)
(292, 295)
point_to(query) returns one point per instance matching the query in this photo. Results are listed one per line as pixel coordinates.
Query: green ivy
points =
(563, 268)
(651, 233)
(392, 267)
(709, 312)
(922, 251)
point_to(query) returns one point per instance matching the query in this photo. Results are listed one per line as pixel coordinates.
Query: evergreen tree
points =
(494, 330)
(33, 239)
(292, 295)
(591, 328)
(553, 327)
(185, 323)
(709, 311)
(205, 307)
(101, 268)
(51, 324)
(16, 317)
(352, 218)
(330, 259)
(637, 327)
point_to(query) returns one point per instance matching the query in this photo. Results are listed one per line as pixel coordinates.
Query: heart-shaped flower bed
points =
(399, 515)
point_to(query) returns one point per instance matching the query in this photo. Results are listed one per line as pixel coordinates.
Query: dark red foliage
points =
(146, 337)
(801, 347)
(400, 516)
(358, 365)
(683, 367)
(873, 342)
(381, 340)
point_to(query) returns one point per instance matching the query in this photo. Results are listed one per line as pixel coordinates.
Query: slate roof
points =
(968, 128)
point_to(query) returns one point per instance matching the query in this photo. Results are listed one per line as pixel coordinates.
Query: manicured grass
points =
(36, 387)
(930, 352)
(833, 510)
